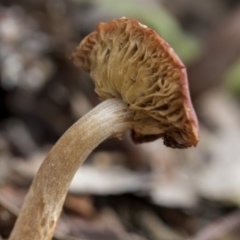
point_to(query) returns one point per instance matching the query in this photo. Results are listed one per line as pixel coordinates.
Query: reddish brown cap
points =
(130, 61)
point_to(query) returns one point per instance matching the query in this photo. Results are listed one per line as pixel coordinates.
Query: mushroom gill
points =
(130, 61)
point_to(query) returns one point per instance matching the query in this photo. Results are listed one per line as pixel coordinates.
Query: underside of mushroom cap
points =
(130, 61)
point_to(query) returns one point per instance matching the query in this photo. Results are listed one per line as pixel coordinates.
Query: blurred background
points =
(123, 191)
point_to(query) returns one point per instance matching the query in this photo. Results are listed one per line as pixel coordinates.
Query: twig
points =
(219, 228)
(9, 206)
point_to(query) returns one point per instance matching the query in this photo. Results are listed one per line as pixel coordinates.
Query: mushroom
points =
(143, 86)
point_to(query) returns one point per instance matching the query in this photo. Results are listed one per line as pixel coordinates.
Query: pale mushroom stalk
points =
(44, 201)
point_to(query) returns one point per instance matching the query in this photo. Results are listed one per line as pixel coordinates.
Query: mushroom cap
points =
(130, 61)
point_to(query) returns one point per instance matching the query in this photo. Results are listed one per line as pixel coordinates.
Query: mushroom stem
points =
(43, 203)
